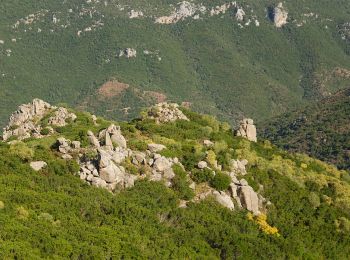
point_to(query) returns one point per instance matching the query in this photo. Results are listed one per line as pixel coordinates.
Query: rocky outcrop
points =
(280, 15)
(240, 14)
(25, 122)
(128, 53)
(184, 9)
(21, 123)
(166, 112)
(111, 136)
(247, 130)
(61, 116)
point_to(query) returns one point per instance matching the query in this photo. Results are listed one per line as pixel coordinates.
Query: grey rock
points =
(155, 148)
(92, 139)
(247, 130)
(38, 165)
(249, 199)
(161, 164)
(224, 199)
(202, 165)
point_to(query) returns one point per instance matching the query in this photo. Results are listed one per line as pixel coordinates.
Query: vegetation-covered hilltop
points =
(175, 187)
(114, 57)
(321, 130)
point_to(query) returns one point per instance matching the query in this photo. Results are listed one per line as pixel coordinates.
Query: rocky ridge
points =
(107, 162)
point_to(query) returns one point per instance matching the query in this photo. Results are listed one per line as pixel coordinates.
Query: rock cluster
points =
(24, 122)
(185, 9)
(166, 112)
(61, 116)
(128, 53)
(280, 15)
(247, 130)
(238, 166)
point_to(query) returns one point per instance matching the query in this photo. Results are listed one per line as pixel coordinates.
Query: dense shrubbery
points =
(52, 213)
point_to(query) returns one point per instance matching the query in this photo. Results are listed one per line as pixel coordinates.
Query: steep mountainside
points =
(321, 130)
(113, 57)
(169, 184)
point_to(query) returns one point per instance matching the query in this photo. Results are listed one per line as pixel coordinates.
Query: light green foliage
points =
(2, 205)
(181, 183)
(21, 150)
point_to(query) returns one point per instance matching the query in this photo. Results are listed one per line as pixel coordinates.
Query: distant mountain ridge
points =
(321, 130)
(231, 59)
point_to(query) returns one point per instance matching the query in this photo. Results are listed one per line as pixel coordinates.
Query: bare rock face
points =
(185, 9)
(280, 16)
(155, 148)
(240, 14)
(112, 135)
(238, 166)
(21, 123)
(224, 199)
(166, 112)
(249, 199)
(61, 116)
(247, 130)
(93, 140)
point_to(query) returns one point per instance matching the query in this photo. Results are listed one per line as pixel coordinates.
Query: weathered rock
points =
(38, 165)
(166, 112)
(202, 165)
(155, 148)
(111, 173)
(63, 145)
(224, 199)
(208, 143)
(140, 157)
(76, 145)
(161, 164)
(22, 122)
(128, 53)
(247, 130)
(243, 182)
(239, 166)
(92, 139)
(280, 15)
(61, 116)
(169, 174)
(240, 14)
(249, 199)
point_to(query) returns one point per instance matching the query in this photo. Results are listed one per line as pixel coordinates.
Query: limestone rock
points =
(155, 148)
(240, 14)
(202, 165)
(92, 139)
(239, 166)
(61, 116)
(249, 199)
(208, 143)
(21, 123)
(247, 130)
(161, 164)
(112, 135)
(166, 112)
(224, 199)
(280, 16)
(38, 165)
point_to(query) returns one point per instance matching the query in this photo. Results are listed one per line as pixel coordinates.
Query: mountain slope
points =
(65, 51)
(55, 213)
(321, 130)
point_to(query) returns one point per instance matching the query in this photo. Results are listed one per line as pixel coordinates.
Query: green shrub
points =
(181, 184)
(221, 181)
(22, 151)
(204, 175)
(45, 131)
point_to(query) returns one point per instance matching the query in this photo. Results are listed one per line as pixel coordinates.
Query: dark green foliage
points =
(181, 184)
(320, 130)
(221, 181)
(204, 175)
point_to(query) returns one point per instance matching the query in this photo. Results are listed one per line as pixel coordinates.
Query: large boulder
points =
(247, 130)
(161, 164)
(38, 165)
(249, 199)
(280, 15)
(92, 139)
(224, 199)
(155, 148)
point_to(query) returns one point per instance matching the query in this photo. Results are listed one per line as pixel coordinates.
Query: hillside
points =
(321, 130)
(169, 184)
(229, 59)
